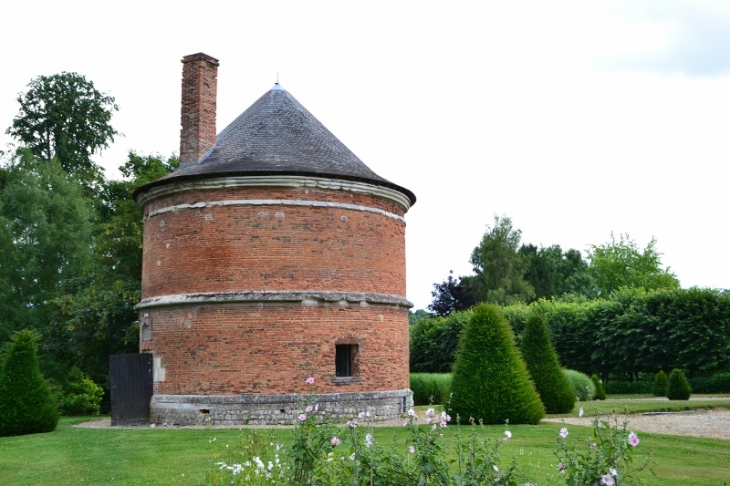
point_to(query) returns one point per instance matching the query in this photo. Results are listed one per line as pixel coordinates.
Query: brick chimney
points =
(197, 114)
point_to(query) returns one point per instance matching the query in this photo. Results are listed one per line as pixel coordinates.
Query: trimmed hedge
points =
(635, 332)
(718, 383)
(643, 387)
(433, 342)
(430, 388)
(490, 382)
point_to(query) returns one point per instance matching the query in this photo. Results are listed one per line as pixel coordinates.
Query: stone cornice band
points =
(273, 181)
(273, 202)
(276, 297)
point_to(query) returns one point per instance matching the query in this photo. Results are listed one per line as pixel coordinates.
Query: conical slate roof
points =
(278, 136)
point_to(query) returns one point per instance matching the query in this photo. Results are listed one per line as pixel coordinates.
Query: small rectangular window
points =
(344, 355)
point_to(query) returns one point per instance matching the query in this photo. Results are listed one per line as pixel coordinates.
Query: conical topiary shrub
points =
(600, 391)
(661, 384)
(26, 404)
(678, 388)
(490, 381)
(555, 390)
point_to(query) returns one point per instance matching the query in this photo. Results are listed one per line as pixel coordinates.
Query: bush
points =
(661, 383)
(82, 396)
(490, 381)
(430, 388)
(555, 390)
(583, 386)
(600, 391)
(678, 388)
(26, 403)
(718, 383)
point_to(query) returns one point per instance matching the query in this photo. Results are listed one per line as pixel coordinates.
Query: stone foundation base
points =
(274, 409)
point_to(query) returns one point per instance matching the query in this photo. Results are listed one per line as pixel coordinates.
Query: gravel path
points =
(714, 424)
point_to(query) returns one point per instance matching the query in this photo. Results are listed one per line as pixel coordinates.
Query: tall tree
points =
(553, 273)
(45, 232)
(621, 263)
(64, 117)
(499, 267)
(96, 317)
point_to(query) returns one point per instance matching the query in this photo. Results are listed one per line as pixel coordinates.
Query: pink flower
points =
(352, 424)
(443, 425)
(361, 415)
(561, 467)
(303, 417)
(607, 479)
(563, 432)
(335, 441)
(633, 440)
(310, 380)
(308, 409)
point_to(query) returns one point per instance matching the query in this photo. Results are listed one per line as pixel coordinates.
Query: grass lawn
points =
(77, 456)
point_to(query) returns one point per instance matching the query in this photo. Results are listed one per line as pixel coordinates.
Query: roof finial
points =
(277, 78)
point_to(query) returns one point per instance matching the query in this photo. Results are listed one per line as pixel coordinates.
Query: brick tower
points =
(271, 254)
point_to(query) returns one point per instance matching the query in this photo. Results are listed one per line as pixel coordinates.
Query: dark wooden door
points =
(130, 378)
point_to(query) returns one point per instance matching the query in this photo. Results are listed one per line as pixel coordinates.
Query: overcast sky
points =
(576, 119)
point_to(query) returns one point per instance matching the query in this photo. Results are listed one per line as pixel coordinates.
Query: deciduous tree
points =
(64, 117)
(95, 317)
(621, 263)
(45, 228)
(499, 268)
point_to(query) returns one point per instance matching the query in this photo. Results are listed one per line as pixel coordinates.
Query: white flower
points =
(563, 432)
(580, 412)
(508, 434)
(368, 440)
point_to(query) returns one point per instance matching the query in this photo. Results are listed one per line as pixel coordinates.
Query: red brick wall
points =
(272, 349)
(273, 247)
(198, 110)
